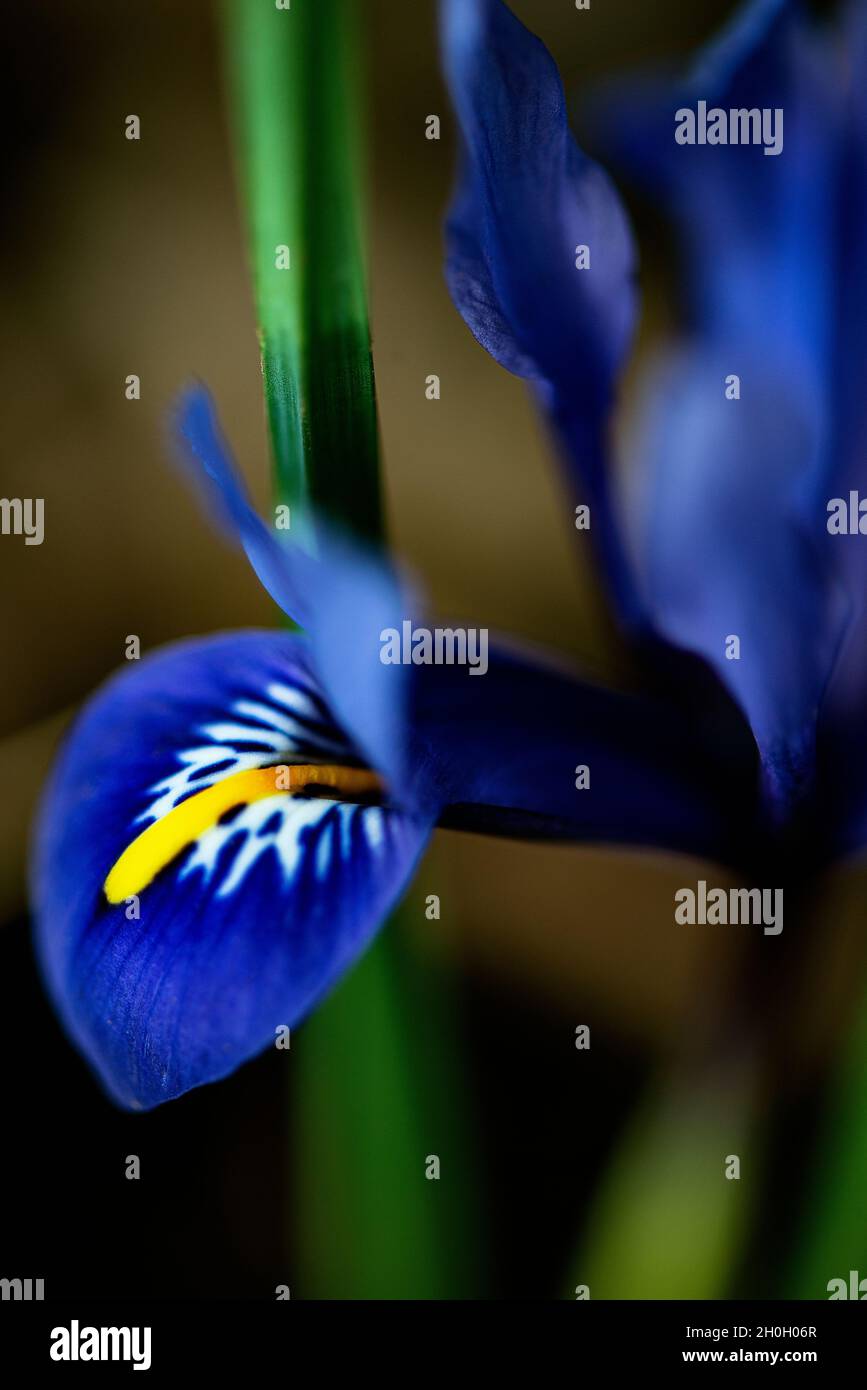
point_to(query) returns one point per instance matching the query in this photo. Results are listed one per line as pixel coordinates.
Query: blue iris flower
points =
(187, 903)
(755, 417)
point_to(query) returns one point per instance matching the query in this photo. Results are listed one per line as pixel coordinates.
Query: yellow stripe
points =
(159, 844)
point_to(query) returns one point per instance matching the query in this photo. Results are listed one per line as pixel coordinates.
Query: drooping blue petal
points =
(502, 753)
(527, 201)
(344, 594)
(729, 548)
(255, 920)
(177, 980)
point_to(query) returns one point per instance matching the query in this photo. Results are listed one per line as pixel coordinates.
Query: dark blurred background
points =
(118, 258)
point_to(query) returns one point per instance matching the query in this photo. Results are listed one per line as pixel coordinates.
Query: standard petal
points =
(733, 491)
(851, 362)
(280, 568)
(757, 230)
(504, 753)
(848, 451)
(344, 594)
(175, 961)
(843, 734)
(540, 260)
(728, 547)
(528, 198)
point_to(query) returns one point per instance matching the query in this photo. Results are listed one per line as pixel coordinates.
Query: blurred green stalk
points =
(377, 1088)
(668, 1223)
(381, 1094)
(834, 1239)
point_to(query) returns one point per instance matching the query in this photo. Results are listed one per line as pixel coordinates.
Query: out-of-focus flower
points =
(756, 418)
(232, 818)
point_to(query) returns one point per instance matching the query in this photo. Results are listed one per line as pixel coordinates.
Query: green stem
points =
(378, 1087)
(835, 1239)
(293, 77)
(671, 1217)
(380, 1097)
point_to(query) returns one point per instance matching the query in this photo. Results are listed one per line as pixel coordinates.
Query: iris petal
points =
(849, 440)
(730, 516)
(851, 368)
(528, 196)
(757, 229)
(344, 594)
(282, 570)
(185, 909)
(256, 917)
(729, 548)
(527, 201)
(502, 755)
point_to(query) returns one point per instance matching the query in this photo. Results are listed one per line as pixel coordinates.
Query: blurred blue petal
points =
(256, 920)
(843, 789)
(729, 547)
(851, 359)
(849, 439)
(527, 199)
(731, 520)
(758, 231)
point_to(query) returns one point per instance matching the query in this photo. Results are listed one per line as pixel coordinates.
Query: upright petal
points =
(851, 207)
(848, 451)
(731, 510)
(733, 567)
(539, 257)
(528, 197)
(186, 907)
(756, 228)
(843, 739)
(343, 593)
(281, 569)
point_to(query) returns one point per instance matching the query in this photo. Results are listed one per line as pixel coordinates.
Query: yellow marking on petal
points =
(161, 842)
